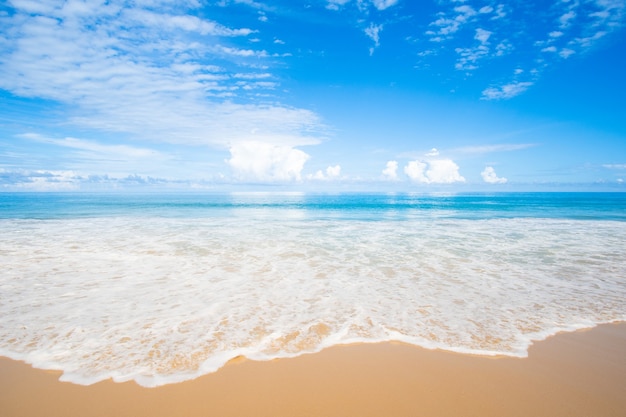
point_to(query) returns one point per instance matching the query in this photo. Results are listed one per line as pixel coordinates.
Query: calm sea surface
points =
(164, 288)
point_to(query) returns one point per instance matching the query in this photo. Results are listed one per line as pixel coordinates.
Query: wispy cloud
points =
(373, 32)
(361, 4)
(615, 166)
(503, 147)
(159, 76)
(86, 157)
(506, 91)
(94, 148)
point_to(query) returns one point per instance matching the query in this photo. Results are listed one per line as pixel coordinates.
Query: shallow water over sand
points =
(171, 290)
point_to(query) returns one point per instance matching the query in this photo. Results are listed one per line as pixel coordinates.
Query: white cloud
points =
(336, 4)
(95, 147)
(490, 177)
(451, 22)
(260, 161)
(439, 171)
(588, 41)
(576, 26)
(506, 91)
(144, 17)
(500, 13)
(504, 48)
(504, 147)
(40, 180)
(432, 152)
(59, 180)
(416, 171)
(384, 4)
(332, 172)
(362, 4)
(373, 32)
(615, 166)
(464, 12)
(156, 74)
(85, 157)
(391, 170)
(446, 28)
(469, 57)
(566, 18)
(482, 35)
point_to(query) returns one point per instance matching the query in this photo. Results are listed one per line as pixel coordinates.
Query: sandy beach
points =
(571, 374)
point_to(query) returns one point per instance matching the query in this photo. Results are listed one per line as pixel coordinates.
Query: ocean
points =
(164, 288)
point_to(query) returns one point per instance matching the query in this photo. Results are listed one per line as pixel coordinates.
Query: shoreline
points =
(570, 374)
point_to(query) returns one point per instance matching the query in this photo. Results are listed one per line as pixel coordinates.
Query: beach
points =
(571, 374)
(312, 305)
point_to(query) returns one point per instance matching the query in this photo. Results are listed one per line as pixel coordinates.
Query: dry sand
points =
(573, 374)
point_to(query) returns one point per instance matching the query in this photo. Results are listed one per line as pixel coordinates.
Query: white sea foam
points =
(163, 300)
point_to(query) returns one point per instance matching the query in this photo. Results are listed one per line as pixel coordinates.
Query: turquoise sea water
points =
(589, 206)
(163, 288)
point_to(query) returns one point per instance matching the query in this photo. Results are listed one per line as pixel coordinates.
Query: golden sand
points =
(572, 374)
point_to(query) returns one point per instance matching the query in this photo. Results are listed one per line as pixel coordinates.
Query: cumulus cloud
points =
(439, 171)
(416, 171)
(490, 177)
(331, 172)
(433, 152)
(391, 170)
(260, 161)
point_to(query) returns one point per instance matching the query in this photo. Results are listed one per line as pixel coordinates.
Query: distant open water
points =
(164, 288)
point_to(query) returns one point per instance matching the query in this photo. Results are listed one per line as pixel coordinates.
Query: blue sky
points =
(325, 94)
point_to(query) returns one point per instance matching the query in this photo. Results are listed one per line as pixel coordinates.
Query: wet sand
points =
(571, 374)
